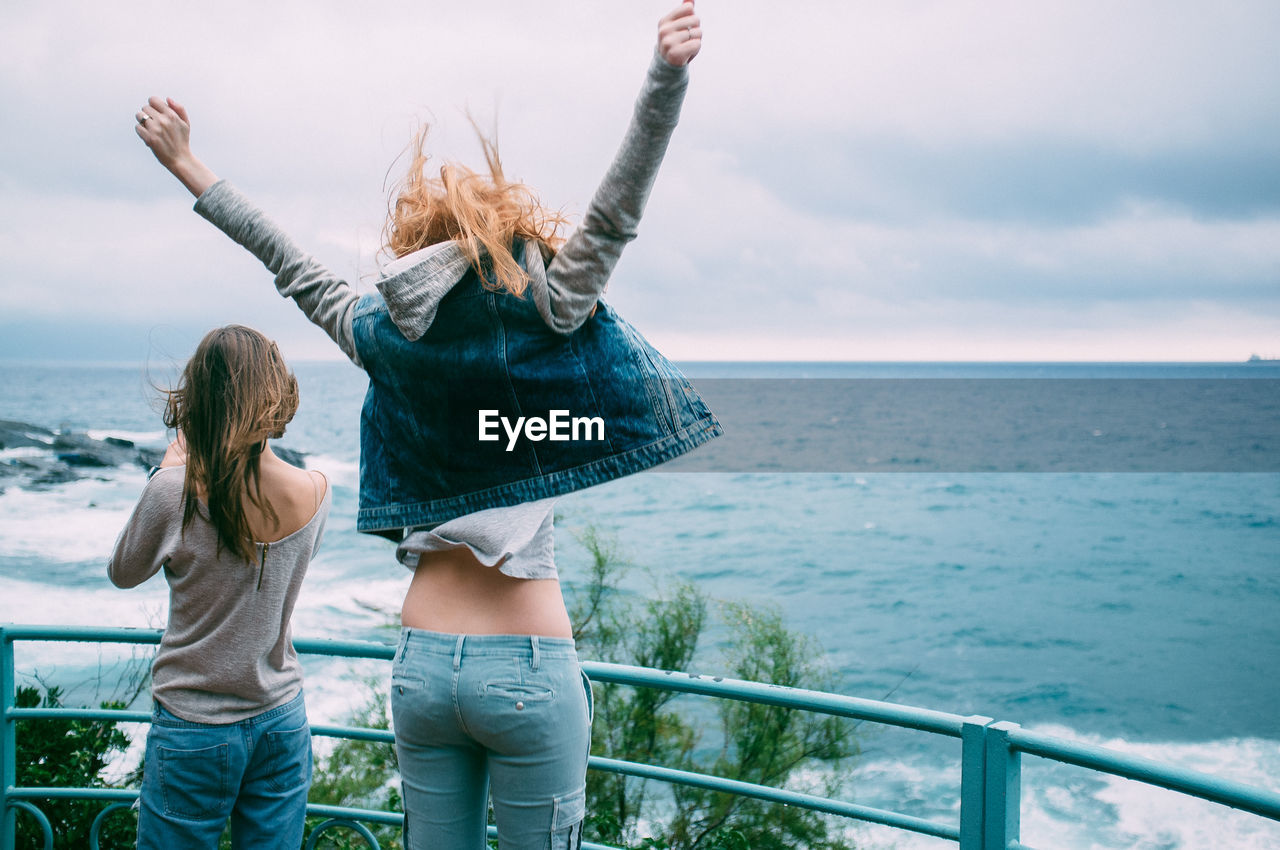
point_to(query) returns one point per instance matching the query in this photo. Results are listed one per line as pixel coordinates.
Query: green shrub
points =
(360, 774)
(68, 754)
(763, 744)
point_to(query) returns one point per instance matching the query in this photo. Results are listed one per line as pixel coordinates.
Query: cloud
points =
(1137, 75)
(1039, 180)
(1024, 174)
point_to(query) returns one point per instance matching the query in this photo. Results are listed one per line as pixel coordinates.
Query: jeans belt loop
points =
(404, 644)
(457, 652)
(533, 644)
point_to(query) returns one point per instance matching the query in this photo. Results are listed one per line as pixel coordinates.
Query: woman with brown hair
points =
(233, 527)
(486, 316)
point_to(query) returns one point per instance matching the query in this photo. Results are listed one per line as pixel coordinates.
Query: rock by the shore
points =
(69, 456)
(83, 450)
(19, 435)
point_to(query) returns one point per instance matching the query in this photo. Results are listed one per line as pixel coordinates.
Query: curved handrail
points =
(336, 817)
(96, 828)
(347, 823)
(990, 774)
(46, 830)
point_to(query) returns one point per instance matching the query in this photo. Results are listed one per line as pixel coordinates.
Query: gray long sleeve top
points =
(565, 289)
(227, 652)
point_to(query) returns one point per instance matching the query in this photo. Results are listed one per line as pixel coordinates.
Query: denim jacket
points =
(421, 459)
(440, 347)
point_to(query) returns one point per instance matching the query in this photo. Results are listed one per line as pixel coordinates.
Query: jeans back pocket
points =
(194, 782)
(288, 759)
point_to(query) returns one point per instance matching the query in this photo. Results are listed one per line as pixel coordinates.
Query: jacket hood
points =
(413, 285)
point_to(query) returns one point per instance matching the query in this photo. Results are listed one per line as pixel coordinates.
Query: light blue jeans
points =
(196, 775)
(471, 711)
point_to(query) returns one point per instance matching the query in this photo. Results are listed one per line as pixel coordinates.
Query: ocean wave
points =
(24, 452)
(71, 522)
(1064, 806)
(341, 472)
(139, 438)
(92, 602)
(1254, 761)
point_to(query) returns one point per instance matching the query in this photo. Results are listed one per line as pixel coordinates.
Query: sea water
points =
(1139, 610)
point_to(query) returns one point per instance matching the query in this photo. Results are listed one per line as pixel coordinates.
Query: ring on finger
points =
(144, 118)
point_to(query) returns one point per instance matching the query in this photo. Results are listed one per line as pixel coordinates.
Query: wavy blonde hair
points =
(482, 213)
(234, 393)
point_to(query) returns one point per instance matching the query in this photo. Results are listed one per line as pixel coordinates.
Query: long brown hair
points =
(234, 393)
(482, 213)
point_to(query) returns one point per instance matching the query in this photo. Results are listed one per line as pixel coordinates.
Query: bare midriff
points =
(452, 592)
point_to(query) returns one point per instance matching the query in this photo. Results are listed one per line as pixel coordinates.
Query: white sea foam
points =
(23, 452)
(372, 604)
(39, 438)
(1143, 817)
(93, 603)
(339, 471)
(1073, 808)
(1254, 761)
(140, 438)
(76, 521)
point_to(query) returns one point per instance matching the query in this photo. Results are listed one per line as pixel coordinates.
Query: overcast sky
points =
(890, 181)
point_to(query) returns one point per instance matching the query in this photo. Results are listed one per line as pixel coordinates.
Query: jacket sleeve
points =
(324, 297)
(577, 275)
(153, 531)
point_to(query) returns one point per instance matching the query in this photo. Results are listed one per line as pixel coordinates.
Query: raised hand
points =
(164, 127)
(679, 35)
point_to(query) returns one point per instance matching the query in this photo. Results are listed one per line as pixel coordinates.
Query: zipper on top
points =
(262, 564)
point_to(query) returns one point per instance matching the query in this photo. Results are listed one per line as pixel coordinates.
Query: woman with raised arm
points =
(233, 528)
(498, 380)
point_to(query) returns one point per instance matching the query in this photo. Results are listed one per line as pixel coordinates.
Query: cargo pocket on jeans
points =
(290, 758)
(193, 783)
(567, 816)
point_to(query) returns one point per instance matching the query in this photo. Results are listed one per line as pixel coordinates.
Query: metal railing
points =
(989, 751)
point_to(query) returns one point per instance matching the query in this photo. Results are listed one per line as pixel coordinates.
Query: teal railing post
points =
(1002, 818)
(973, 780)
(8, 738)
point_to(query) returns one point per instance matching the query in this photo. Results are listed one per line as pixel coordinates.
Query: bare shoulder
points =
(297, 483)
(295, 495)
(320, 482)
